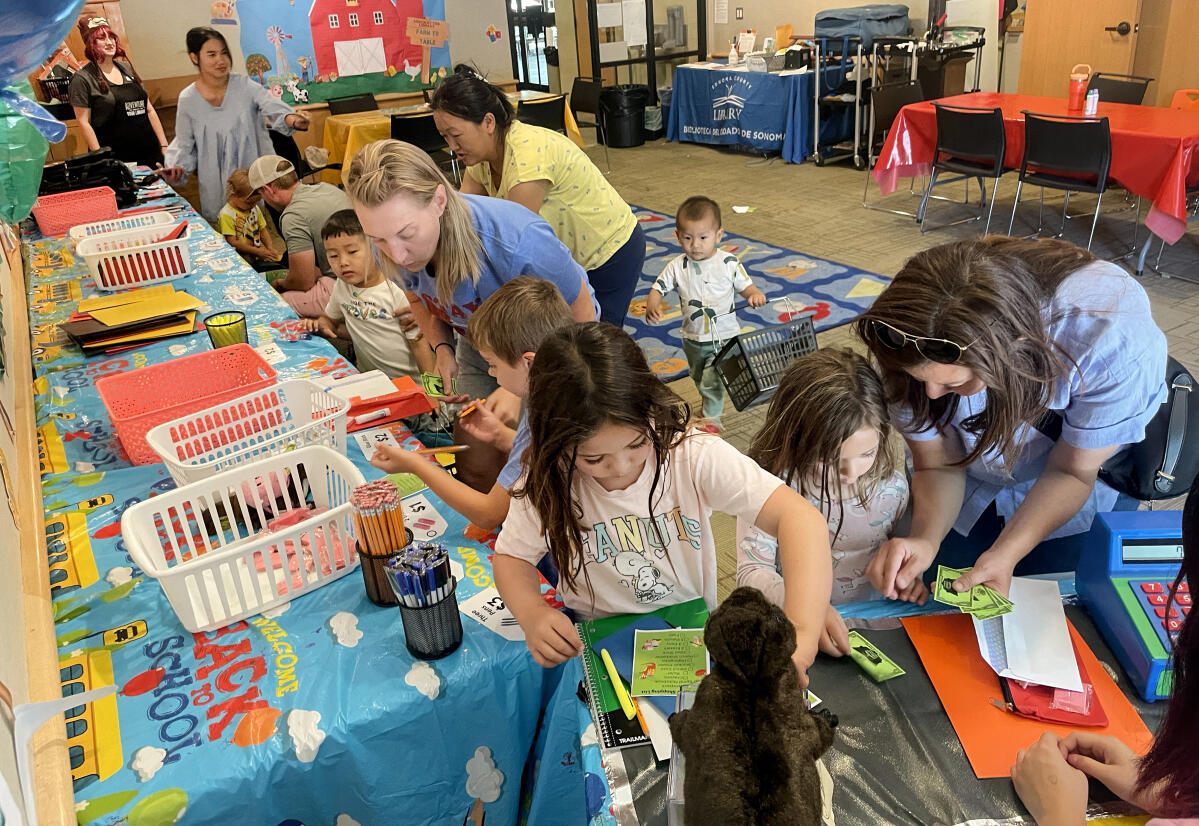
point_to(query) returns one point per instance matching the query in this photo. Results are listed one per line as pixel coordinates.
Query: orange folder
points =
(966, 685)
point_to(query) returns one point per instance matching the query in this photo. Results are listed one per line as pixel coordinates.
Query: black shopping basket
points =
(752, 363)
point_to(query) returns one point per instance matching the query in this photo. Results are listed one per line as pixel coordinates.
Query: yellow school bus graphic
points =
(69, 552)
(51, 455)
(93, 731)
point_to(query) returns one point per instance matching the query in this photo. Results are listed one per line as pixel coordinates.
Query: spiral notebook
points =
(613, 728)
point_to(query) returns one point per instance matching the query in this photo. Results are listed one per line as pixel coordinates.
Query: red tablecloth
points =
(1155, 151)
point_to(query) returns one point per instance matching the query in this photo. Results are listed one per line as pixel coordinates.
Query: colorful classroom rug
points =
(837, 293)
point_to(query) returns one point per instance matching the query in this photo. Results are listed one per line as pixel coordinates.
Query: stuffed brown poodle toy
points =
(750, 743)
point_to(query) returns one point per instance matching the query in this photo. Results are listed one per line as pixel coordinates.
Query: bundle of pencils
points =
(378, 520)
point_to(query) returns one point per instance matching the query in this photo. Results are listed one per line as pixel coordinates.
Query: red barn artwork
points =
(358, 37)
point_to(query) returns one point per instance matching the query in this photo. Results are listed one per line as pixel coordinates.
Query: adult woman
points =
(1051, 775)
(977, 342)
(219, 123)
(452, 251)
(109, 101)
(544, 171)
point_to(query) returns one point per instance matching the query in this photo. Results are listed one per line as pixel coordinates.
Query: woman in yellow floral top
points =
(544, 171)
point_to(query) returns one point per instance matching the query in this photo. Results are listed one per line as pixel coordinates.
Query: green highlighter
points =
(877, 665)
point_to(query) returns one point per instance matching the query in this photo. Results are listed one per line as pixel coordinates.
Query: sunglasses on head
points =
(939, 350)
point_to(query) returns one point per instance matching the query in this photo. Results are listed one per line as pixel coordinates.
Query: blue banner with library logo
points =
(764, 111)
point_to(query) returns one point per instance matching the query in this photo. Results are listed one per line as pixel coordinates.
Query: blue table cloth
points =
(315, 714)
(765, 111)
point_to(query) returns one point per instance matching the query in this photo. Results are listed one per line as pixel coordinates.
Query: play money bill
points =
(877, 665)
(434, 386)
(943, 587)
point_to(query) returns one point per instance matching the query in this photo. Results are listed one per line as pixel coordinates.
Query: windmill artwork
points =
(311, 50)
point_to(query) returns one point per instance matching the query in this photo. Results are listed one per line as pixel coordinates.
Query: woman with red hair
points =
(109, 101)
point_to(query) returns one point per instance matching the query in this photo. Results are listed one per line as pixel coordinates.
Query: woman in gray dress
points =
(220, 121)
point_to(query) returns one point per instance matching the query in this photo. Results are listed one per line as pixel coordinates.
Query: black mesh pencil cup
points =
(433, 631)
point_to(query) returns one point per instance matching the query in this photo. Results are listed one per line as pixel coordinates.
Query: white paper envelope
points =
(1032, 643)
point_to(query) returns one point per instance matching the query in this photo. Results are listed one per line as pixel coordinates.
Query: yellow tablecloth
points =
(346, 134)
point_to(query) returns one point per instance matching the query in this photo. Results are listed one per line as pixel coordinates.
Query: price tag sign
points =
(487, 608)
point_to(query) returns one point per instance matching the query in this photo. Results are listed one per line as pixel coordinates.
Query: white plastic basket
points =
(205, 545)
(281, 417)
(159, 218)
(134, 258)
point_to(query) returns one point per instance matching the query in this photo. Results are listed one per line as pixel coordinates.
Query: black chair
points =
(970, 144)
(285, 147)
(364, 102)
(1066, 153)
(584, 97)
(548, 112)
(885, 103)
(1120, 88)
(421, 131)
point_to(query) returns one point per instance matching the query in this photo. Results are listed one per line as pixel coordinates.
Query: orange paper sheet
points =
(966, 684)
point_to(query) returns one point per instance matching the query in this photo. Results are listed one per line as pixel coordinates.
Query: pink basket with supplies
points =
(138, 400)
(137, 257)
(56, 214)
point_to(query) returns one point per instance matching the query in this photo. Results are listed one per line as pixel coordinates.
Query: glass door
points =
(534, 39)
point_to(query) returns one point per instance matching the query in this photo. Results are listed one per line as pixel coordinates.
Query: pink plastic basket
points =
(56, 214)
(137, 400)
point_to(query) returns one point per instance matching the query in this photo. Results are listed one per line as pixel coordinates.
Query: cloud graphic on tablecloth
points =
(345, 629)
(147, 761)
(483, 779)
(424, 679)
(304, 729)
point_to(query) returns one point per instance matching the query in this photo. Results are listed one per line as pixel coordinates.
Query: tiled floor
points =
(818, 210)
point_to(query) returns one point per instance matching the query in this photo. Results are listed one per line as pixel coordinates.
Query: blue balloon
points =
(29, 31)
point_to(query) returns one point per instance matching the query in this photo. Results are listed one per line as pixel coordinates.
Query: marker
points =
(425, 451)
(626, 702)
(373, 417)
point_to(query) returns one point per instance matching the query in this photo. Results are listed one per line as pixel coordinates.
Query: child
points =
(620, 492)
(705, 278)
(243, 224)
(366, 304)
(826, 435)
(506, 330)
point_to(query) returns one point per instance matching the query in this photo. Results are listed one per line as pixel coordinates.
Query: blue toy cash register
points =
(1124, 577)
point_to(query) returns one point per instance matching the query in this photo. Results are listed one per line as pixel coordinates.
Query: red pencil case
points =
(1056, 705)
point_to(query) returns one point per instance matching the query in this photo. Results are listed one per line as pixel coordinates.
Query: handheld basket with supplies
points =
(157, 218)
(272, 420)
(752, 363)
(137, 400)
(247, 539)
(136, 257)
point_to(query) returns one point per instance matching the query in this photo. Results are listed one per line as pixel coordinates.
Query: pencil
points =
(425, 451)
(470, 408)
(640, 718)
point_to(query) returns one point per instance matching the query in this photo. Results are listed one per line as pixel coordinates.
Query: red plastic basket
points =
(138, 400)
(56, 214)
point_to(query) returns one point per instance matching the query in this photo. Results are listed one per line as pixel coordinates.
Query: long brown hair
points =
(387, 168)
(988, 295)
(90, 35)
(587, 375)
(823, 399)
(1170, 771)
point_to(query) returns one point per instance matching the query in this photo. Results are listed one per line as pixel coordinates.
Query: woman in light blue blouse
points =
(219, 122)
(978, 341)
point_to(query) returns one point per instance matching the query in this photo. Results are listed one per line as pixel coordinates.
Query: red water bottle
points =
(1079, 76)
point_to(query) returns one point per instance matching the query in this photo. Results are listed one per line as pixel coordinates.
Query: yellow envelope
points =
(146, 307)
(179, 329)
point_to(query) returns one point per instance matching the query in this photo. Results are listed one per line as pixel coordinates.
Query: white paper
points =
(364, 385)
(634, 22)
(612, 52)
(488, 609)
(659, 730)
(271, 352)
(368, 439)
(608, 15)
(1032, 643)
(722, 11)
(745, 42)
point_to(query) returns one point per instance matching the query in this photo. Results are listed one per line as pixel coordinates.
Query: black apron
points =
(127, 131)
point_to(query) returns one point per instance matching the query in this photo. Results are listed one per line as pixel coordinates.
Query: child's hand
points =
(898, 564)
(1110, 762)
(318, 326)
(755, 297)
(653, 311)
(552, 638)
(481, 423)
(407, 320)
(396, 459)
(834, 637)
(1050, 788)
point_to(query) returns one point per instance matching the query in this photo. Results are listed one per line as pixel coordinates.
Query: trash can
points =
(665, 93)
(623, 110)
